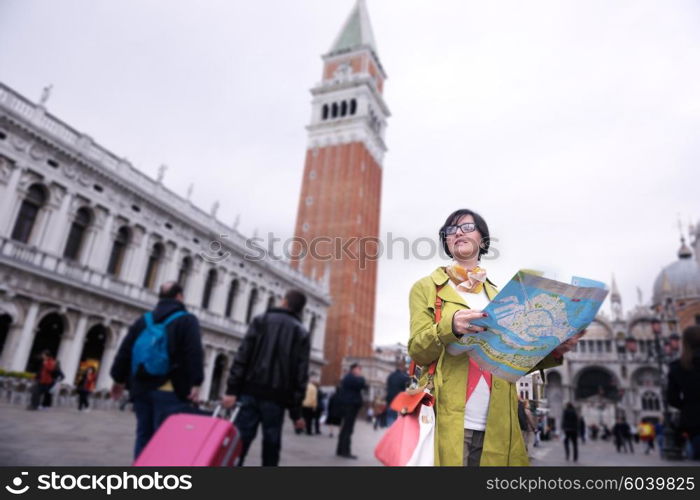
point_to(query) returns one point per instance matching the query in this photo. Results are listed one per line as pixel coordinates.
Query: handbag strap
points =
(438, 317)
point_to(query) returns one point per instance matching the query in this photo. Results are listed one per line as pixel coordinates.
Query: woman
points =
(86, 384)
(684, 387)
(482, 429)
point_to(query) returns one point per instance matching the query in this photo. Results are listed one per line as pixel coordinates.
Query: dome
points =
(679, 280)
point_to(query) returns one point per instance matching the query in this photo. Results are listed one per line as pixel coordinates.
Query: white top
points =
(477, 408)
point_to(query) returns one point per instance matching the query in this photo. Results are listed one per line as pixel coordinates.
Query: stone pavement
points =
(596, 453)
(63, 437)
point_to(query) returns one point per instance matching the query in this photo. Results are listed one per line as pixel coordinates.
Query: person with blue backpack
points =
(161, 362)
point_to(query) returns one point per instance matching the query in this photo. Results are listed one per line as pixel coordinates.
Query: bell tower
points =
(338, 215)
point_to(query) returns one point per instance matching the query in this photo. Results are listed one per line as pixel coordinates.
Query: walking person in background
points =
(582, 429)
(322, 399)
(350, 400)
(569, 424)
(646, 434)
(619, 435)
(161, 362)
(309, 405)
(58, 375)
(684, 388)
(49, 372)
(86, 384)
(659, 433)
(379, 410)
(334, 416)
(627, 435)
(396, 382)
(269, 374)
(526, 421)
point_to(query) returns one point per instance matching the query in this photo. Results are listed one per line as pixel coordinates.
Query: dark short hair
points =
(690, 347)
(296, 300)
(170, 290)
(354, 365)
(481, 226)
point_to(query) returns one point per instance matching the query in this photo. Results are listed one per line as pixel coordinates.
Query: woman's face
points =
(464, 246)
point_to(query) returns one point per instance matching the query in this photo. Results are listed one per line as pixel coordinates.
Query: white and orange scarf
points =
(467, 280)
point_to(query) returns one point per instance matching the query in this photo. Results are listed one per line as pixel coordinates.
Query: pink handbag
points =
(410, 439)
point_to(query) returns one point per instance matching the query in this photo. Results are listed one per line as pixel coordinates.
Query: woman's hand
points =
(461, 321)
(568, 345)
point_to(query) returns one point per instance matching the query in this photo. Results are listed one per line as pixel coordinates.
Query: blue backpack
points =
(151, 346)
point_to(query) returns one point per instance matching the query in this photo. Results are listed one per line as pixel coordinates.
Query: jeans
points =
(391, 416)
(151, 409)
(473, 446)
(346, 429)
(271, 414)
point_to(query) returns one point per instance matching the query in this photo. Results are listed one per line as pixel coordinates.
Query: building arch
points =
(48, 336)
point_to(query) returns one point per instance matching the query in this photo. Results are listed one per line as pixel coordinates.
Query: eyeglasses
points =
(467, 227)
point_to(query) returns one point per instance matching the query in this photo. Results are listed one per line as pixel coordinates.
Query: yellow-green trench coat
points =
(503, 441)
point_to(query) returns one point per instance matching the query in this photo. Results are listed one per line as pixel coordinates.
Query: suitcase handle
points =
(234, 412)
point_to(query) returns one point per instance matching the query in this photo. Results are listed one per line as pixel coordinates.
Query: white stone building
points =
(614, 369)
(86, 239)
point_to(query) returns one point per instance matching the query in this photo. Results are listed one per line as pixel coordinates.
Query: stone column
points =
(13, 339)
(209, 361)
(319, 336)
(217, 303)
(98, 256)
(58, 224)
(196, 285)
(104, 381)
(170, 263)
(10, 198)
(240, 301)
(24, 344)
(138, 258)
(70, 354)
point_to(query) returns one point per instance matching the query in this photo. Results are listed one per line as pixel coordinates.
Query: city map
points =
(529, 318)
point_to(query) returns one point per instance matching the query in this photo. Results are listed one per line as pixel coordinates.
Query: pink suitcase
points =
(193, 440)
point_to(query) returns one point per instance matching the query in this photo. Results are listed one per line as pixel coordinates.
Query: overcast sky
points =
(571, 126)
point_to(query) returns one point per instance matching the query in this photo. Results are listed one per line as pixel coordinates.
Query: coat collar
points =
(440, 277)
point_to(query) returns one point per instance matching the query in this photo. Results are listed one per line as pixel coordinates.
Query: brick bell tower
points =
(341, 189)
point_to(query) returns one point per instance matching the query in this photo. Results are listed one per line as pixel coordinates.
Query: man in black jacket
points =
(157, 397)
(269, 374)
(396, 383)
(350, 400)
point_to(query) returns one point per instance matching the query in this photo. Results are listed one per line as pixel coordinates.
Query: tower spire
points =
(356, 32)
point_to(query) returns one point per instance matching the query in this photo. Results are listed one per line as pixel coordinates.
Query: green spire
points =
(356, 32)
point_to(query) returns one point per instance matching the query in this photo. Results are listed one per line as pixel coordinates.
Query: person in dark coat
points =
(269, 374)
(334, 416)
(156, 397)
(49, 373)
(619, 431)
(395, 383)
(684, 387)
(569, 424)
(350, 400)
